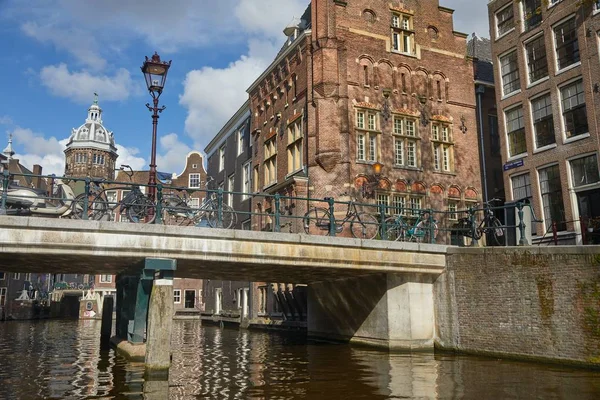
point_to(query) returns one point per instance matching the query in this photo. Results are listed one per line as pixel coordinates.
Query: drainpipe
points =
(480, 90)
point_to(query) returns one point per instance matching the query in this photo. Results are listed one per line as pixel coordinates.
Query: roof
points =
(480, 48)
(484, 71)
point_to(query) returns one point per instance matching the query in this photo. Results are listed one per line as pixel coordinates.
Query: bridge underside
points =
(88, 247)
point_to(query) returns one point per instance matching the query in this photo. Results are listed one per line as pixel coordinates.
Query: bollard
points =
(277, 223)
(332, 226)
(106, 327)
(158, 210)
(522, 240)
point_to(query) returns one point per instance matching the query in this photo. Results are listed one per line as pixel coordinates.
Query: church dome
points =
(92, 133)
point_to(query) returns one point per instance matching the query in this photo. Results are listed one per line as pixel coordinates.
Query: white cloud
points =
(5, 120)
(172, 154)
(129, 156)
(268, 17)
(33, 148)
(77, 86)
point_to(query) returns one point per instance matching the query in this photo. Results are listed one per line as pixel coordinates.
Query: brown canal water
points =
(63, 360)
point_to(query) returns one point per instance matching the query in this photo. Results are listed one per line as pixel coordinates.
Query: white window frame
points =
(105, 279)
(2, 276)
(240, 141)
(562, 111)
(506, 132)
(221, 158)
(27, 277)
(17, 276)
(587, 186)
(500, 73)
(176, 295)
(533, 122)
(247, 179)
(512, 186)
(403, 34)
(498, 35)
(554, 43)
(230, 188)
(3, 294)
(526, 58)
(190, 180)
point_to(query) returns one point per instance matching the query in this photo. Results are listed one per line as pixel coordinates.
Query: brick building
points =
(546, 60)
(365, 82)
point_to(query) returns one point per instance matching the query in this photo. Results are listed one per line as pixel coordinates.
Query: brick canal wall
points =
(532, 303)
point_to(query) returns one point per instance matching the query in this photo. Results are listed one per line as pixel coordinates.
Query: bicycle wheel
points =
(175, 211)
(141, 210)
(227, 220)
(495, 233)
(96, 208)
(364, 226)
(316, 221)
(395, 229)
(424, 232)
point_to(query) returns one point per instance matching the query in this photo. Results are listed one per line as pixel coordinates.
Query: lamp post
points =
(155, 71)
(368, 187)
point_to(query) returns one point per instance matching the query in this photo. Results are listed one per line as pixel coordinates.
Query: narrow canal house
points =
(547, 60)
(364, 82)
(229, 156)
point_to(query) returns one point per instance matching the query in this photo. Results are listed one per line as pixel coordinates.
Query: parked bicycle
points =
(176, 209)
(423, 230)
(317, 221)
(135, 205)
(490, 225)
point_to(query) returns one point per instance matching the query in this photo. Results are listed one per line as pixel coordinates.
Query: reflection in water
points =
(64, 360)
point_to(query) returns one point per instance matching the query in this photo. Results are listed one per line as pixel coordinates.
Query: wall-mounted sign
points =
(513, 164)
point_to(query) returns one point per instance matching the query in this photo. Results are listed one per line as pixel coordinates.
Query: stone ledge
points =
(133, 352)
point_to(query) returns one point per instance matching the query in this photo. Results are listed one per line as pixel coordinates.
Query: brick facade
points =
(343, 63)
(519, 303)
(546, 61)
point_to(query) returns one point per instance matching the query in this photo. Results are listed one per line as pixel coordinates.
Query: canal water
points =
(64, 360)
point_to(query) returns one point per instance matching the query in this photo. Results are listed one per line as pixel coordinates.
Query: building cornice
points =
(241, 115)
(282, 56)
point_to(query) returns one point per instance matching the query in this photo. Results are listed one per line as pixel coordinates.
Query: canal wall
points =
(531, 303)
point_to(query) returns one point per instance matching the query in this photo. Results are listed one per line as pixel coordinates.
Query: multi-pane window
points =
(194, 180)
(177, 296)
(105, 278)
(521, 187)
(2, 296)
(567, 46)
(452, 209)
(505, 20)
(194, 202)
(221, 158)
(247, 179)
(270, 161)
(552, 202)
(415, 205)
(442, 147)
(403, 35)
(584, 171)
(532, 13)
(515, 130)
(28, 277)
(574, 109)
(98, 159)
(80, 158)
(405, 141)
(294, 148)
(230, 188)
(2, 276)
(17, 276)
(543, 123)
(383, 200)
(366, 142)
(398, 204)
(509, 69)
(537, 64)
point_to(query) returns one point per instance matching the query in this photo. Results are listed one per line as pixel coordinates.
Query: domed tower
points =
(91, 150)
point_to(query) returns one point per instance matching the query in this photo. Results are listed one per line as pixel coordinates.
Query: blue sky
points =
(56, 53)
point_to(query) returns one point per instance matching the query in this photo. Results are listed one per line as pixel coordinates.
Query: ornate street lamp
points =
(155, 71)
(372, 181)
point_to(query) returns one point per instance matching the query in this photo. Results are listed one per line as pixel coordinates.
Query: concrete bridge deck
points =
(29, 244)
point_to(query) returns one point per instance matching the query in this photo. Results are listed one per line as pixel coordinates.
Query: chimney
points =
(37, 170)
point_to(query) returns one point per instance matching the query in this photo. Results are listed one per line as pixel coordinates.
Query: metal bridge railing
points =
(108, 200)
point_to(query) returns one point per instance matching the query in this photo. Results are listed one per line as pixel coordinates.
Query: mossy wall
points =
(530, 302)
